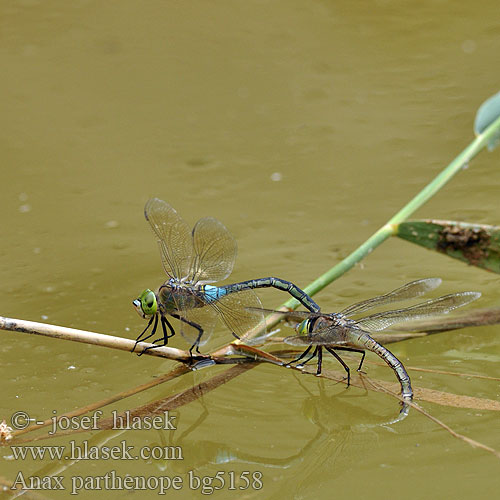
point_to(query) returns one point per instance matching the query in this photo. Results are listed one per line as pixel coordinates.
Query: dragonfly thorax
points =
(320, 322)
(177, 296)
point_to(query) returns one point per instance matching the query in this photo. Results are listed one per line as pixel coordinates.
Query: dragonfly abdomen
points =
(279, 284)
(212, 293)
(403, 377)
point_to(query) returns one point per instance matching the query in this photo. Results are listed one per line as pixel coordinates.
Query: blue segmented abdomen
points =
(213, 293)
(278, 283)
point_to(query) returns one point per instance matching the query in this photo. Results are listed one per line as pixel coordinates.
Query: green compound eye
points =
(303, 328)
(148, 302)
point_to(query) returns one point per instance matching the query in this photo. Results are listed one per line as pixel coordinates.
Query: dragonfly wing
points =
(441, 305)
(241, 311)
(174, 237)
(408, 291)
(329, 336)
(214, 251)
(293, 316)
(204, 317)
(297, 340)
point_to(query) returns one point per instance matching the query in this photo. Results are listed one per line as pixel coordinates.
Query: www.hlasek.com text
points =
(84, 451)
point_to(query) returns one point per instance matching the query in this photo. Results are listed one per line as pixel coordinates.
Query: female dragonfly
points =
(338, 332)
(192, 259)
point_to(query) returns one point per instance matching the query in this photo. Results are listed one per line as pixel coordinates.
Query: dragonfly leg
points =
(361, 362)
(166, 322)
(351, 349)
(166, 336)
(301, 356)
(309, 358)
(194, 325)
(196, 343)
(139, 338)
(341, 361)
(319, 350)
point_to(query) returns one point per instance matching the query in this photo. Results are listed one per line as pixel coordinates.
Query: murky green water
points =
(303, 127)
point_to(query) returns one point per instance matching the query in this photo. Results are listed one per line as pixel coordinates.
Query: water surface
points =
(303, 127)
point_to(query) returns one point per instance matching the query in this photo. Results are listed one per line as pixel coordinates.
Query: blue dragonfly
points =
(339, 332)
(192, 259)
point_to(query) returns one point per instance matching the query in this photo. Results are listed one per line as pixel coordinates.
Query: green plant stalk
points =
(388, 229)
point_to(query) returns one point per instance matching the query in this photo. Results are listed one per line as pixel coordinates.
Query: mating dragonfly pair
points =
(193, 259)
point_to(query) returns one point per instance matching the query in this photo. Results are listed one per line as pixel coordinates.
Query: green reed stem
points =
(388, 229)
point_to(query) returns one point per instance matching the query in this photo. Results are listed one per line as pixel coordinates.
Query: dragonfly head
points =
(146, 304)
(304, 328)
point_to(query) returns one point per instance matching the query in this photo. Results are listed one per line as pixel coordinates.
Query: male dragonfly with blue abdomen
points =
(192, 259)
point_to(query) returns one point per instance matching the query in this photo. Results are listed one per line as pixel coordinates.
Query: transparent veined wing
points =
(441, 305)
(241, 311)
(214, 252)
(205, 317)
(173, 235)
(408, 291)
(298, 316)
(330, 336)
(297, 340)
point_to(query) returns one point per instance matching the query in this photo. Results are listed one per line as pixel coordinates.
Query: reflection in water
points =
(340, 426)
(345, 435)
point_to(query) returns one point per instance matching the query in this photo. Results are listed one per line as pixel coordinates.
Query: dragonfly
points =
(192, 260)
(339, 332)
